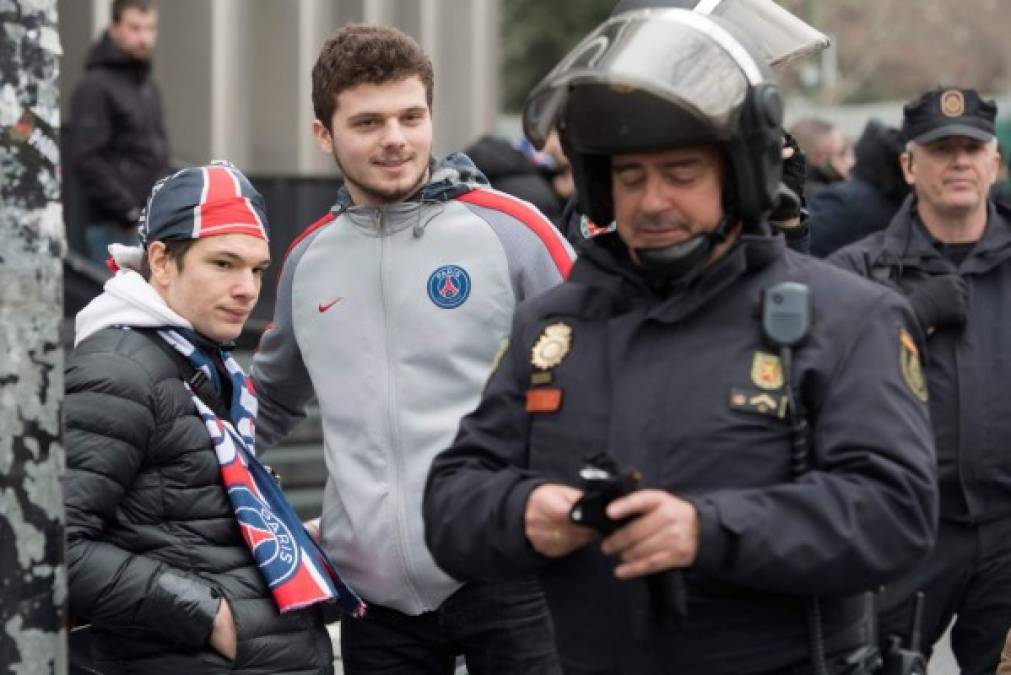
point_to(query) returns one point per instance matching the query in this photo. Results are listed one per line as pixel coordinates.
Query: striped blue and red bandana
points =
(203, 201)
(294, 567)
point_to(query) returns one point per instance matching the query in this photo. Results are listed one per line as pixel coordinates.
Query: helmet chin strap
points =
(682, 263)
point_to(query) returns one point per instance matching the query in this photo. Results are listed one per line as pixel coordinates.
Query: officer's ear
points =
(906, 162)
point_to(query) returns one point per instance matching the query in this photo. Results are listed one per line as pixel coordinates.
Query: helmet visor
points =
(779, 36)
(681, 57)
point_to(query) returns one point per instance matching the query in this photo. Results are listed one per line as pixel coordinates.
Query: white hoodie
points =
(127, 300)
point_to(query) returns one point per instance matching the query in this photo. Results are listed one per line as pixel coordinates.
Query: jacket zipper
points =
(393, 430)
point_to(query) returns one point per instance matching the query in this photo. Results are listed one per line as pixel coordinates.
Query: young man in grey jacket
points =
(392, 309)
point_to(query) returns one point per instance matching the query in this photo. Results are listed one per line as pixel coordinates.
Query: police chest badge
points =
(552, 346)
(767, 371)
(549, 350)
(912, 369)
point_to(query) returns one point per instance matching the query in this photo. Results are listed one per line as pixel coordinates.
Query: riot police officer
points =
(757, 416)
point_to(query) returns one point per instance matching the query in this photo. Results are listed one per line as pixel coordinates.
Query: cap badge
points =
(552, 346)
(952, 103)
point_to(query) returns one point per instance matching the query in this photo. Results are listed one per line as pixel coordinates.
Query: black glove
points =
(941, 301)
(790, 200)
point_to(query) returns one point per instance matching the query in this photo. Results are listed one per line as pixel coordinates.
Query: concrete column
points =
(378, 11)
(80, 25)
(464, 56)
(183, 68)
(317, 23)
(101, 15)
(231, 81)
(235, 74)
(484, 28)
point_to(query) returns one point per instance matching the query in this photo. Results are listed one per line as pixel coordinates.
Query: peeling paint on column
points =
(32, 576)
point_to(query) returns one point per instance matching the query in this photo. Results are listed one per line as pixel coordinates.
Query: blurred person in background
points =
(829, 153)
(543, 178)
(847, 211)
(1002, 190)
(118, 147)
(948, 250)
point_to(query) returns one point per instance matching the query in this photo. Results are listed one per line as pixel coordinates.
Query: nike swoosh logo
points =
(324, 307)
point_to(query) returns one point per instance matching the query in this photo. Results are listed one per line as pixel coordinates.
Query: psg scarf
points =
(294, 567)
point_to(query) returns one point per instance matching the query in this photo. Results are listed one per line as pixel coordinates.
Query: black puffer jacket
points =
(152, 543)
(118, 145)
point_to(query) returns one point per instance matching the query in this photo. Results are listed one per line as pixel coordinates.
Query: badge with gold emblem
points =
(912, 369)
(552, 346)
(952, 103)
(766, 371)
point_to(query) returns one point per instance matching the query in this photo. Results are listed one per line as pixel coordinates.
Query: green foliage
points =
(536, 34)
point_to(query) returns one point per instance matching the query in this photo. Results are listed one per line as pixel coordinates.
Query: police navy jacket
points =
(655, 382)
(152, 541)
(967, 368)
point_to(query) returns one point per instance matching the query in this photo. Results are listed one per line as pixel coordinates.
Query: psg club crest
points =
(449, 286)
(269, 539)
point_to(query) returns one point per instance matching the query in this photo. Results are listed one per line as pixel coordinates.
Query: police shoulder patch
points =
(909, 364)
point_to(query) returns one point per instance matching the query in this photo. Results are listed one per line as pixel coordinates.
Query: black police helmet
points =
(654, 80)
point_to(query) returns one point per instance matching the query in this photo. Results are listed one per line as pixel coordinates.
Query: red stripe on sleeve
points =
(328, 218)
(530, 217)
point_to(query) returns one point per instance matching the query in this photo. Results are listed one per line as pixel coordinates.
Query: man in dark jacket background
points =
(847, 211)
(157, 561)
(651, 357)
(118, 146)
(949, 251)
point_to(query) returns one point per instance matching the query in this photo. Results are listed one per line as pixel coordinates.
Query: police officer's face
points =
(953, 175)
(381, 139)
(668, 197)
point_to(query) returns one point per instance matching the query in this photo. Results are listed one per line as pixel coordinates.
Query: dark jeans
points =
(967, 576)
(500, 629)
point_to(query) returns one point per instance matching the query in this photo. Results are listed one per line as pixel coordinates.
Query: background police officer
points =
(949, 250)
(652, 354)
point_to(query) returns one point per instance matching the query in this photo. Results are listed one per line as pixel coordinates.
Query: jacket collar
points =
(606, 265)
(908, 243)
(450, 177)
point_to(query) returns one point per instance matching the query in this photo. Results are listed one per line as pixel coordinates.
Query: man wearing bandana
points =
(181, 551)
